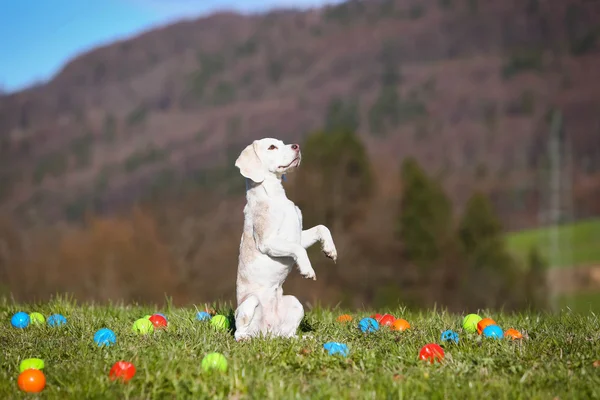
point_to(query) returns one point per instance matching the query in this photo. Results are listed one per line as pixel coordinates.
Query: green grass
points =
(578, 241)
(582, 302)
(558, 349)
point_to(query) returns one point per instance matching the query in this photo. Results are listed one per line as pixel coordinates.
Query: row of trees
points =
(432, 255)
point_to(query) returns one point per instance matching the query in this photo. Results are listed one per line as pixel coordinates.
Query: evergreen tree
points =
(425, 221)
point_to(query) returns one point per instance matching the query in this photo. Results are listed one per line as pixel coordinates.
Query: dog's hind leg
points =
(248, 318)
(290, 313)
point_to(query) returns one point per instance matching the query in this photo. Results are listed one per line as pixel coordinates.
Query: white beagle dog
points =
(272, 243)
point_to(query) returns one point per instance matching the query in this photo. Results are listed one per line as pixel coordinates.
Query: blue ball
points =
(336, 348)
(104, 337)
(203, 316)
(56, 320)
(163, 315)
(449, 336)
(493, 331)
(20, 320)
(368, 325)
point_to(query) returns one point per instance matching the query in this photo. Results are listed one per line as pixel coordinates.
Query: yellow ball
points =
(36, 318)
(143, 326)
(214, 361)
(220, 322)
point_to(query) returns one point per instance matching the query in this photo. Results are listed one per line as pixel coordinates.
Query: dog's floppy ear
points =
(250, 165)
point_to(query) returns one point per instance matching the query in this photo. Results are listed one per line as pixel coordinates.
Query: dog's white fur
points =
(272, 243)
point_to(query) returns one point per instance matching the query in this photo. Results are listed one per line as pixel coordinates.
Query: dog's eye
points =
(272, 147)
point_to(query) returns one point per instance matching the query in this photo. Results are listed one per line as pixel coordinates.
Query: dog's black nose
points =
(296, 147)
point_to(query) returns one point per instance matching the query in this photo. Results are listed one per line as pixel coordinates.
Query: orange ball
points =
(344, 318)
(31, 380)
(483, 323)
(513, 334)
(400, 325)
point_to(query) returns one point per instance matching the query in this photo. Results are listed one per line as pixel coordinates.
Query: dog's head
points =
(266, 157)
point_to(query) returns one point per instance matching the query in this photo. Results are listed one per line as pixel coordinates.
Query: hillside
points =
(466, 86)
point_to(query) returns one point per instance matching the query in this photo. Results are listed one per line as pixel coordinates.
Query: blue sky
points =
(40, 36)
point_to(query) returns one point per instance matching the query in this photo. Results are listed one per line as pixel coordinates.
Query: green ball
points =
(214, 361)
(470, 323)
(31, 363)
(220, 322)
(143, 326)
(36, 318)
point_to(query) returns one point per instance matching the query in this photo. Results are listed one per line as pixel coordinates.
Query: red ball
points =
(431, 352)
(158, 321)
(376, 317)
(387, 320)
(123, 370)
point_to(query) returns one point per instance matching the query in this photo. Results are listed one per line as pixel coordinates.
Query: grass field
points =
(580, 243)
(557, 350)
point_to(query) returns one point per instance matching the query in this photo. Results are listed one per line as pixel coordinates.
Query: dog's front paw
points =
(330, 251)
(308, 273)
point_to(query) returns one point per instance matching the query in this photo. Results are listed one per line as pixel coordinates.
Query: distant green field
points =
(579, 243)
(582, 302)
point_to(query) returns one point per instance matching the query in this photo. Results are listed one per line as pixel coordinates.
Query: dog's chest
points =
(290, 226)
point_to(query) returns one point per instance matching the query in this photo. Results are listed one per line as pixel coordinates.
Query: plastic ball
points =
(36, 318)
(449, 336)
(31, 363)
(483, 323)
(56, 320)
(142, 326)
(203, 316)
(400, 325)
(162, 315)
(387, 320)
(470, 323)
(20, 320)
(432, 352)
(513, 334)
(376, 317)
(104, 337)
(493, 331)
(220, 322)
(214, 361)
(336, 348)
(158, 321)
(122, 370)
(31, 381)
(344, 318)
(368, 325)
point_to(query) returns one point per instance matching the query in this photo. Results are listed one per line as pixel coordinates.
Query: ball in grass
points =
(20, 320)
(36, 318)
(162, 315)
(432, 352)
(334, 348)
(376, 317)
(387, 320)
(493, 332)
(483, 323)
(368, 325)
(470, 323)
(104, 337)
(400, 325)
(220, 322)
(142, 326)
(56, 320)
(122, 370)
(31, 363)
(214, 361)
(513, 334)
(158, 321)
(344, 318)
(203, 316)
(31, 381)
(449, 336)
